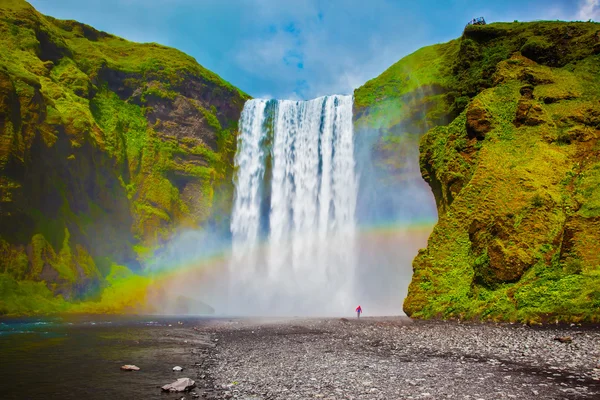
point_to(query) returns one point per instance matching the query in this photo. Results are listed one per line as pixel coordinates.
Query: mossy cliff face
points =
(515, 173)
(106, 146)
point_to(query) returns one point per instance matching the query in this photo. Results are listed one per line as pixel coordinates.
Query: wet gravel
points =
(396, 358)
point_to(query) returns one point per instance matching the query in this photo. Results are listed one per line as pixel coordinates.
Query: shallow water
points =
(80, 358)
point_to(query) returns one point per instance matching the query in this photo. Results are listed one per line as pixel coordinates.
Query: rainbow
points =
(205, 273)
(212, 265)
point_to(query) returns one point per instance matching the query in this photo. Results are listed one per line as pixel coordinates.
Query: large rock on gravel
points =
(130, 368)
(180, 385)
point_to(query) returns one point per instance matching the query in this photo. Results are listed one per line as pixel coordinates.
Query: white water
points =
(293, 223)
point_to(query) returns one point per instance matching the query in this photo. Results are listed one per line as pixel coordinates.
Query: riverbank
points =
(297, 358)
(396, 358)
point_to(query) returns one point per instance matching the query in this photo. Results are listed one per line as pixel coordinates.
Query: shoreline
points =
(130, 316)
(299, 358)
(391, 357)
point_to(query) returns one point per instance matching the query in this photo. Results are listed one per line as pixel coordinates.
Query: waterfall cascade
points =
(293, 220)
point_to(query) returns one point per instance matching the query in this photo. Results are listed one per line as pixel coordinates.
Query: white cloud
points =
(589, 9)
(339, 45)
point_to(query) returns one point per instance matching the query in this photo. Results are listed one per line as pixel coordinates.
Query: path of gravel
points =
(394, 358)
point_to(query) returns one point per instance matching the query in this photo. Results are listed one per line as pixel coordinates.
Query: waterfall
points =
(293, 220)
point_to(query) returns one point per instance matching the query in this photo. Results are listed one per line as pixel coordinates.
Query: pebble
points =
(387, 358)
(129, 367)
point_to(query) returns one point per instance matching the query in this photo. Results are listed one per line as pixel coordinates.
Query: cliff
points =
(511, 152)
(106, 146)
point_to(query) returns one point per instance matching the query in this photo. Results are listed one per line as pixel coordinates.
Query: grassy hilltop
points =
(511, 151)
(105, 147)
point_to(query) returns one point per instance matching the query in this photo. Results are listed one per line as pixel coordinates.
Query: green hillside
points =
(511, 113)
(106, 146)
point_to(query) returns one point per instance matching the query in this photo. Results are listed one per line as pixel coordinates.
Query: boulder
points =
(130, 368)
(180, 385)
(177, 369)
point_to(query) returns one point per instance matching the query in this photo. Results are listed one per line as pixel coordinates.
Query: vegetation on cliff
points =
(106, 146)
(512, 154)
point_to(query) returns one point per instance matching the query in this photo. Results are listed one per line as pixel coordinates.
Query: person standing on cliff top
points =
(358, 311)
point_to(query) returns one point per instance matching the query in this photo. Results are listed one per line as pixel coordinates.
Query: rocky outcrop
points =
(105, 147)
(514, 171)
(503, 246)
(478, 121)
(528, 113)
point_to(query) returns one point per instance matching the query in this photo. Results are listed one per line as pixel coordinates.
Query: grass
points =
(380, 101)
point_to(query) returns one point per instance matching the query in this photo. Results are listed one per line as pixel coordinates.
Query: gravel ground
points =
(396, 358)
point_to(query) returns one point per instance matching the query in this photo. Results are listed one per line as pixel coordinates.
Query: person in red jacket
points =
(358, 311)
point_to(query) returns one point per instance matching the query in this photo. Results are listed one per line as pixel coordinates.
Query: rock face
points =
(515, 172)
(105, 147)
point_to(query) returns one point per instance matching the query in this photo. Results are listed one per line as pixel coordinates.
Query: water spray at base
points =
(323, 219)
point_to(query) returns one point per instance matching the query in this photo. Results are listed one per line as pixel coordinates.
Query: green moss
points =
(118, 272)
(546, 294)
(27, 297)
(158, 90)
(65, 259)
(69, 76)
(40, 250)
(143, 252)
(125, 127)
(587, 191)
(210, 156)
(43, 255)
(212, 120)
(14, 261)
(424, 67)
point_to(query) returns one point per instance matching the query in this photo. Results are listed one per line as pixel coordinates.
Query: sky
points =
(302, 49)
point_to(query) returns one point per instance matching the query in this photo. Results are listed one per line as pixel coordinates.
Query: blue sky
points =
(302, 48)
